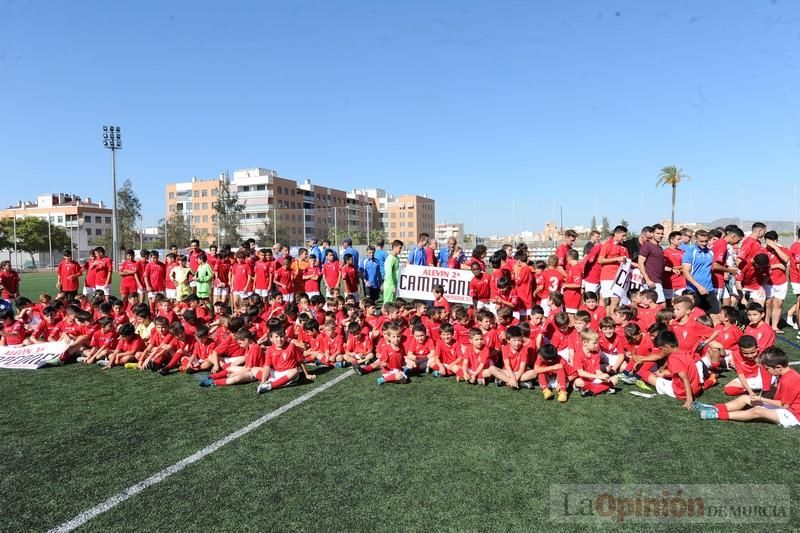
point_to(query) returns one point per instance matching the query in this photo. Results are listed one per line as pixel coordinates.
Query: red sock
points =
(645, 374)
(280, 382)
(184, 363)
(367, 369)
(219, 375)
(597, 388)
(388, 378)
(722, 411)
(220, 382)
(225, 365)
(175, 361)
(733, 390)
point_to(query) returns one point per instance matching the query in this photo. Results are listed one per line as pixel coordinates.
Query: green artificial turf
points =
(432, 455)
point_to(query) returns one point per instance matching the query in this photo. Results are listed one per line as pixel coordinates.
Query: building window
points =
(108, 220)
(196, 207)
(213, 218)
(98, 220)
(205, 218)
(205, 205)
(197, 194)
(197, 219)
(292, 192)
(214, 192)
(172, 208)
(204, 193)
(172, 196)
(261, 187)
(60, 219)
(98, 231)
(293, 205)
(410, 225)
(88, 233)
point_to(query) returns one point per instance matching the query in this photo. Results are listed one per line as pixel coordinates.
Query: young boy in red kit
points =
(479, 287)
(331, 345)
(476, 366)
(596, 311)
(552, 280)
(311, 277)
(103, 343)
(358, 348)
(448, 352)
(783, 409)
(690, 334)
(249, 371)
(758, 328)
(573, 283)
(591, 380)
(611, 346)
(331, 273)
(182, 346)
(420, 352)
(283, 364)
(198, 360)
(750, 375)
(241, 279)
(391, 356)
(263, 272)
(517, 361)
(563, 336)
(679, 378)
(553, 373)
(350, 277)
(128, 345)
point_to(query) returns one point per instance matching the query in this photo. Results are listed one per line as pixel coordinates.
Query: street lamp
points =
(112, 140)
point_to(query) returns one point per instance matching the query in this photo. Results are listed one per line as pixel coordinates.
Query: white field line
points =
(133, 490)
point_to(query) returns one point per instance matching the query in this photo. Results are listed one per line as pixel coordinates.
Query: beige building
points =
(409, 215)
(193, 200)
(445, 231)
(84, 221)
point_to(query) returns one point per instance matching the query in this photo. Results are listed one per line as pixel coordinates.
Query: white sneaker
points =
(81, 359)
(103, 362)
(790, 320)
(264, 387)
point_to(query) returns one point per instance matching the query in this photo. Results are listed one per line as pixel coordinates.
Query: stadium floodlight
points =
(112, 140)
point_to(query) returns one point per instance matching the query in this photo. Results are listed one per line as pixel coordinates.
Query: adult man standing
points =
(313, 249)
(612, 254)
(380, 256)
(651, 261)
(562, 251)
(392, 272)
(347, 248)
(696, 265)
(417, 255)
(194, 251)
(446, 253)
(69, 272)
(594, 238)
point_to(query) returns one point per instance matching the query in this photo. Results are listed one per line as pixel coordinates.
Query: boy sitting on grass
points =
(783, 409)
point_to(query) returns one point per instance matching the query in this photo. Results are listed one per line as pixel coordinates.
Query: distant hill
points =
(781, 226)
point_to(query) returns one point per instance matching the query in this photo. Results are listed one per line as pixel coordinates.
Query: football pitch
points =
(432, 455)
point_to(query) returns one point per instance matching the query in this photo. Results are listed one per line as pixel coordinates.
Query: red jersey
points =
(552, 280)
(596, 315)
(312, 285)
(763, 333)
(588, 362)
(690, 334)
(358, 344)
(512, 360)
(461, 332)
(284, 280)
(720, 251)
(102, 268)
(776, 275)
(192, 255)
(283, 359)
(254, 356)
(9, 280)
(68, 273)
(591, 268)
(88, 266)
(132, 344)
(350, 278)
(748, 249)
(331, 346)
(561, 255)
(14, 333)
(794, 262)
(610, 249)
(263, 271)
(788, 391)
(442, 302)
(729, 337)
(420, 351)
(448, 353)
(392, 358)
(753, 278)
(480, 288)
(155, 273)
(104, 339)
(646, 316)
(683, 361)
(613, 346)
(572, 296)
(475, 359)
(241, 274)
(563, 340)
(169, 283)
(330, 272)
(523, 281)
(223, 274)
(673, 258)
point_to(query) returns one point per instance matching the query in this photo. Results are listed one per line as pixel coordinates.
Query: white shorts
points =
(795, 288)
(756, 383)
(171, 293)
(105, 288)
(570, 310)
(545, 305)
(659, 288)
(606, 288)
(664, 386)
(310, 294)
(785, 417)
(152, 294)
(242, 294)
(261, 292)
(777, 291)
(485, 305)
(221, 291)
(759, 295)
(553, 383)
(288, 297)
(610, 359)
(88, 291)
(193, 284)
(588, 286)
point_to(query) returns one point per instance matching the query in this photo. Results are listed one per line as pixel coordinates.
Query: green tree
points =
(625, 223)
(229, 212)
(129, 213)
(376, 235)
(605, 230)
(672, 176)
(178, 233)
(33, 236)
(594, 223)
(266, 235)
(6, 234)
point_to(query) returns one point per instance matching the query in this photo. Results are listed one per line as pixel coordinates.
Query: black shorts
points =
(707, 302)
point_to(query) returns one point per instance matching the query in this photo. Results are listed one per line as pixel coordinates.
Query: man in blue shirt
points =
(314, 249)
(417, 255)
(380, 256)
(347, 248)
(370, 272)
(697, 262)
(326, 245)
(446, 253)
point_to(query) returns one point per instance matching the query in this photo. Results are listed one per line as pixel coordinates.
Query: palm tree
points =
(672, 176)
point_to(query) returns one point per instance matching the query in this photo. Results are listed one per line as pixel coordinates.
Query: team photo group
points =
(671, 315)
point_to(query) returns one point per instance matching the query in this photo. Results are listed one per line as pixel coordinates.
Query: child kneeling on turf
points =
(283, 363)
(679, 377)
(783, 409)
(591, 379)
(750, 375)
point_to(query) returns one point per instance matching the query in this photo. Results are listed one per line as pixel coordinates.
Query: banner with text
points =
(417, 283)
(30, 357)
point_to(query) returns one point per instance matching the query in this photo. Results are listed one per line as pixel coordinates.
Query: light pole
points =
(112, 140)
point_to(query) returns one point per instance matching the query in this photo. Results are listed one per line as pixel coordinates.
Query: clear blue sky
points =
(578, 102)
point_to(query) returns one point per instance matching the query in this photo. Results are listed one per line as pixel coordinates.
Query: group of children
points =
(529, 327)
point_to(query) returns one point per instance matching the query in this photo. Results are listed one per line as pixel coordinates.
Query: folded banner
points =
(417, 283)
(30, 357)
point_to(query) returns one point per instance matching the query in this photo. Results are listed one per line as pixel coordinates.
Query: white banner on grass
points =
(30, 357)
(622, 282)
(417, 283)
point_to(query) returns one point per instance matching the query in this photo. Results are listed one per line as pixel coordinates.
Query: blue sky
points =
(574, 103)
